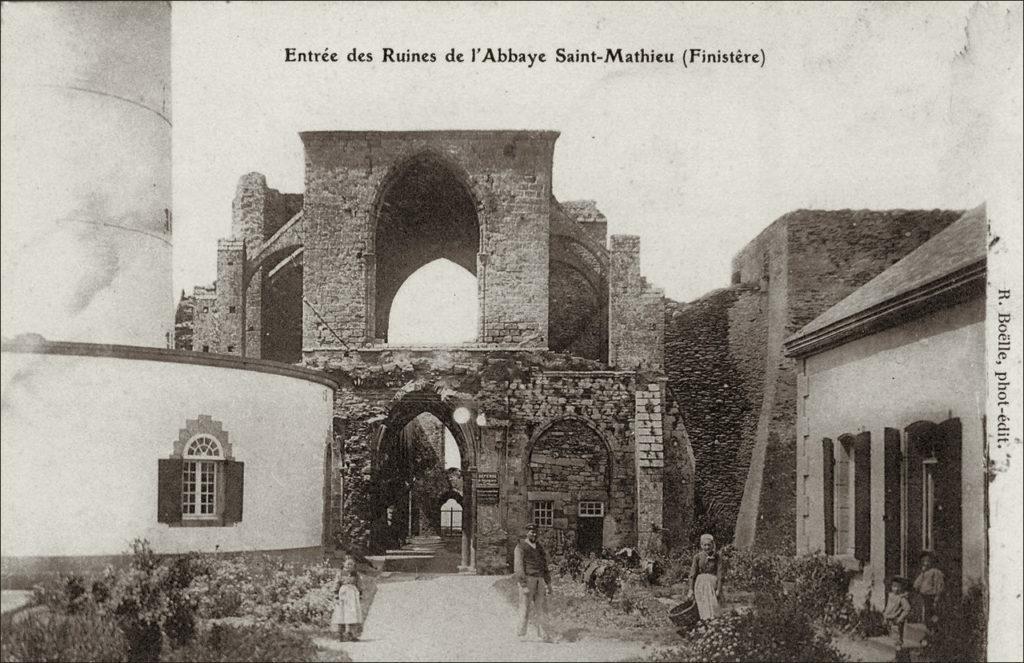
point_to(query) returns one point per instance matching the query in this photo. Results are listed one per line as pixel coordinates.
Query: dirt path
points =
(462, 618)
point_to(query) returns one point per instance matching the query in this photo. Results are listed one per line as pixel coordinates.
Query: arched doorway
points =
(569, 469)
(425, 211)
(411, 478)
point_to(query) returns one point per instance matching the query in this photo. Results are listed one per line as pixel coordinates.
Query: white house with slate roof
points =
(891, 418)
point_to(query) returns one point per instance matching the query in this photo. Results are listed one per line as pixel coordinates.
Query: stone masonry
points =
(562, 398)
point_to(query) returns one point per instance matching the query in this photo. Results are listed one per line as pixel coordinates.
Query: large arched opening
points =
(425, 211)
(425, 446)
(437, 305)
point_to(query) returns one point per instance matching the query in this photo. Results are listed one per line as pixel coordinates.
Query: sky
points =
(856, 106)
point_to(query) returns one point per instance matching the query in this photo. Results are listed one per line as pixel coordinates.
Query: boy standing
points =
(897, 609)
(929, 585)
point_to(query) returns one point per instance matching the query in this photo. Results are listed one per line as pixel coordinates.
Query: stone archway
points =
(425, 210)
(403, 461)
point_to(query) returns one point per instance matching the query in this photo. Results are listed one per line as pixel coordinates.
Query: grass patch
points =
(574, 613)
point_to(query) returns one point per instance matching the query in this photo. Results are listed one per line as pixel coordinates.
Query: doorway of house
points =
(590, 527)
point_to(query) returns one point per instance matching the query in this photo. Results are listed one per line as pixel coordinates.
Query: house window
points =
(844, 497)
(199, 479)
(928, 467)
(206, 348)
(591, 510)
(231, 348)
(231, 309)
(543, 513)
(200, 484)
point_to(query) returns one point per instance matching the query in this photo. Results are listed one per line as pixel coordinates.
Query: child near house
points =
(348, 613)
(929, 585)
(897, 609)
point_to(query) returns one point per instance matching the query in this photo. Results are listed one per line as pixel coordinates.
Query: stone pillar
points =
(230, 311)
(248, 223)
(650, 463)
(636, 312)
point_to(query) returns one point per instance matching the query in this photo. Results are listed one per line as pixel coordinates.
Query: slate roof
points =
(958, 247)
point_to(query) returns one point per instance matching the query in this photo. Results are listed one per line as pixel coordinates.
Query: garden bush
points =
(87, 635)
(774, 631)
(223, 642)
(265, 588)
(962, 631)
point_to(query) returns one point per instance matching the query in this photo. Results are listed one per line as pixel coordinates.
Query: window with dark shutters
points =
(234, 479)
(893, 515)
(828, 467)
(200, 484)
(169, 490)
(862, 497)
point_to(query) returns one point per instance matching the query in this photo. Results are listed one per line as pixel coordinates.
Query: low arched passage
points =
(409, 474)
(568, 479)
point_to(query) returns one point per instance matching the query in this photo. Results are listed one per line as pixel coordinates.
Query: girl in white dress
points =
(348, 613)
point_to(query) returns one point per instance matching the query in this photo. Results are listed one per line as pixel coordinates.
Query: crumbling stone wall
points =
(678, 478)
(636, 327)
(569, 458)
(830, 254)
(508, 176)
(370, 215)
(578, 282)
(714, 355)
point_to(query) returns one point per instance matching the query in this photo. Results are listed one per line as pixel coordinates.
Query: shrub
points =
(245, 643)
(774, 631)
(266, 588)
(85, 636)
(962, 631)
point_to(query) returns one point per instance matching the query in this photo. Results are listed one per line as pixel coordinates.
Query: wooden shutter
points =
(234, 479)
(893, 513)
(828, 493)
(948, 533)
(862, 497)
(168, 499)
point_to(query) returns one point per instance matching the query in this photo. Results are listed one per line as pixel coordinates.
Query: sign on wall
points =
(487, 487)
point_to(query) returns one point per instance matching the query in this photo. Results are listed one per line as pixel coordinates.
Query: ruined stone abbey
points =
(589, 403)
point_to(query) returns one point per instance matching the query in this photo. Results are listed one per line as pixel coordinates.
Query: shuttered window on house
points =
(828, 467)
(893, 514)
(170, 493)
(862, 497)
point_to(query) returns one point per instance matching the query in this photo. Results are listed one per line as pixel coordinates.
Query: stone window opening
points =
(542, 513)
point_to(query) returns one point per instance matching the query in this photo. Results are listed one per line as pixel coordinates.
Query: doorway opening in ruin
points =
(437, 305)
(569, 470)
(420, 488)
(281, 307)
(425, 211)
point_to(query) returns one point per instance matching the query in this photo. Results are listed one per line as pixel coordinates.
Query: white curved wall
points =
(81, 437)
(87, 172)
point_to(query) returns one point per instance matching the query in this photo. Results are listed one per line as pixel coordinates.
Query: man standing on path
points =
(531, 570)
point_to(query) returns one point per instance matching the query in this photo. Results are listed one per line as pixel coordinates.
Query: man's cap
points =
(531, 527)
